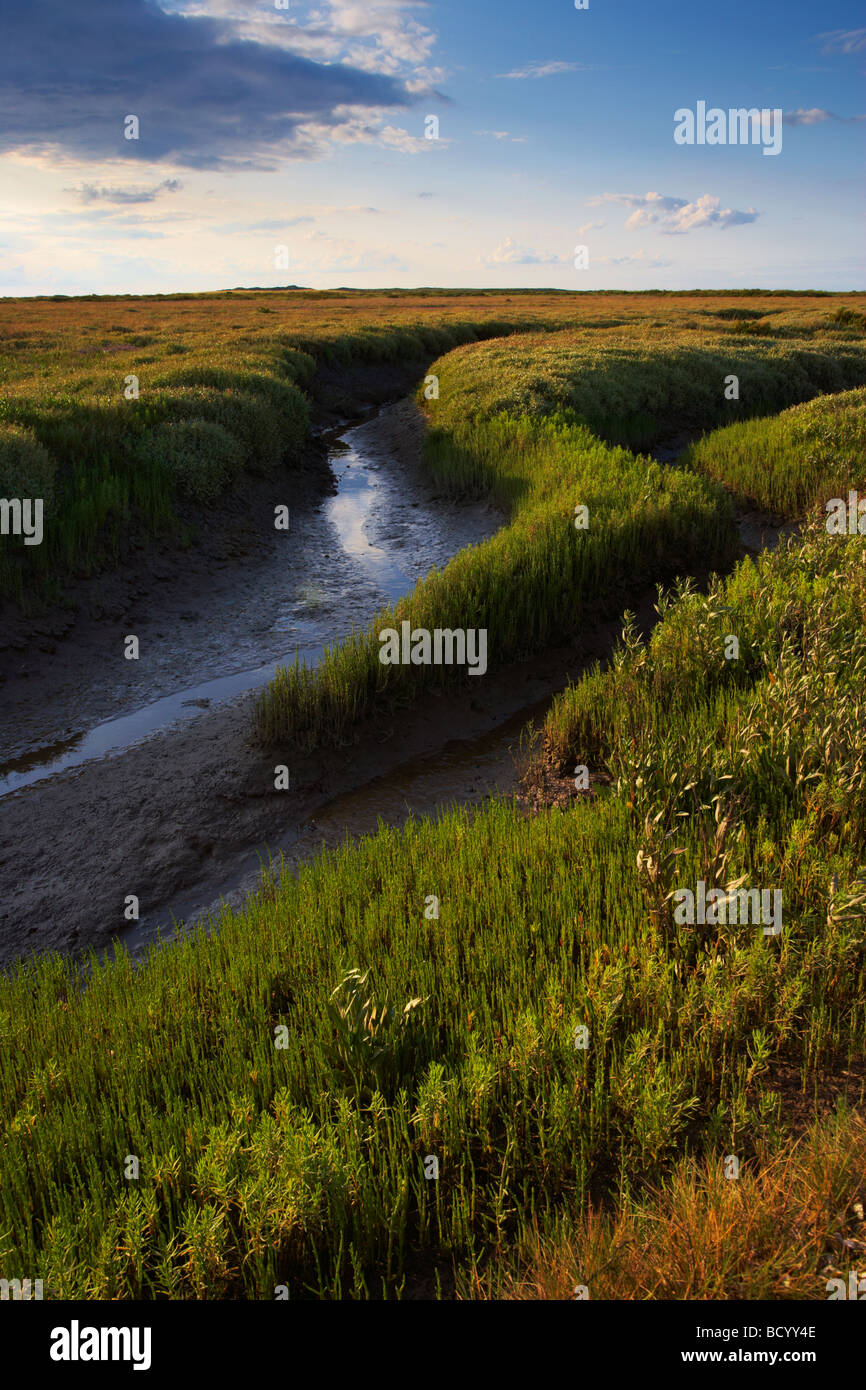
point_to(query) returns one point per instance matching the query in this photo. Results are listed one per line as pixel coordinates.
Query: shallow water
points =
(142, 773)
(335, 572)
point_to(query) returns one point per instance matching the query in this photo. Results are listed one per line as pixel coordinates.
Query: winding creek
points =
(83, 801)
(311, 592)
(121, 777)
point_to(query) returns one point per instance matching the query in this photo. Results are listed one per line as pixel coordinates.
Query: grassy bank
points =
(637, 387)
(793, 462)
(223, 383)
(120, 452)
(283, 1141)
(530, 585)
(520, 421)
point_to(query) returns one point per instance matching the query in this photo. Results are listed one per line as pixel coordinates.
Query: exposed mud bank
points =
(141, 778)
(236, 531)
(187, 819)
(136, 777)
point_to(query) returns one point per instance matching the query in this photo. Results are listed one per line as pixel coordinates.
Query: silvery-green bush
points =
(201, 458)
(26, 468)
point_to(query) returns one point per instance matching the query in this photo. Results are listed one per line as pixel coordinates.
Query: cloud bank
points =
(205, 98)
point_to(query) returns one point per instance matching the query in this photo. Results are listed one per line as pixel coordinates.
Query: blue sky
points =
(305, 128)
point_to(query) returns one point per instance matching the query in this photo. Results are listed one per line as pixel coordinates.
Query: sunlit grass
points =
(283, 1116)
(788, 463)
(263, 1165)
(218, 359)
(519, 420)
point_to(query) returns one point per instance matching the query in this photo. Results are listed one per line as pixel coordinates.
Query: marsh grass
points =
(209, 411)
(538, 424)
(791, 462)
(219, 358)
(304, 1164)
(263, 1165)
(777, 1233)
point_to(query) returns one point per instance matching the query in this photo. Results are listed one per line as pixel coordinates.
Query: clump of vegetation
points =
(201, 458)
(26, 469)
(373, 1047)
(736, 313)
(792, 462)
(849, 318)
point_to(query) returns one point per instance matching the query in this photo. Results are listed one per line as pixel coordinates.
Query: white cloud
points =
(815, 115)
(676, 215)
(590, 227)
(89, 193)
(357, 126)
(509, 252)
(636, 258)
(707, 212)
(548, 69)
(504, 135)
(641, 217)
(843, 41)
(655, 200)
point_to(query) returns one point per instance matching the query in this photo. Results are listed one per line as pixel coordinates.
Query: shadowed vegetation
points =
(779, 1232)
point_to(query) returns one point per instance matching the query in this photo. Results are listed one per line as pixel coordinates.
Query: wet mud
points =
(141, 778)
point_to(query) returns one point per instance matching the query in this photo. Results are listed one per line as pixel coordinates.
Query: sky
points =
(460, 143)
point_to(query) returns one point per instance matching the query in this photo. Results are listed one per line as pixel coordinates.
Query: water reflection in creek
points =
(307, 617)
